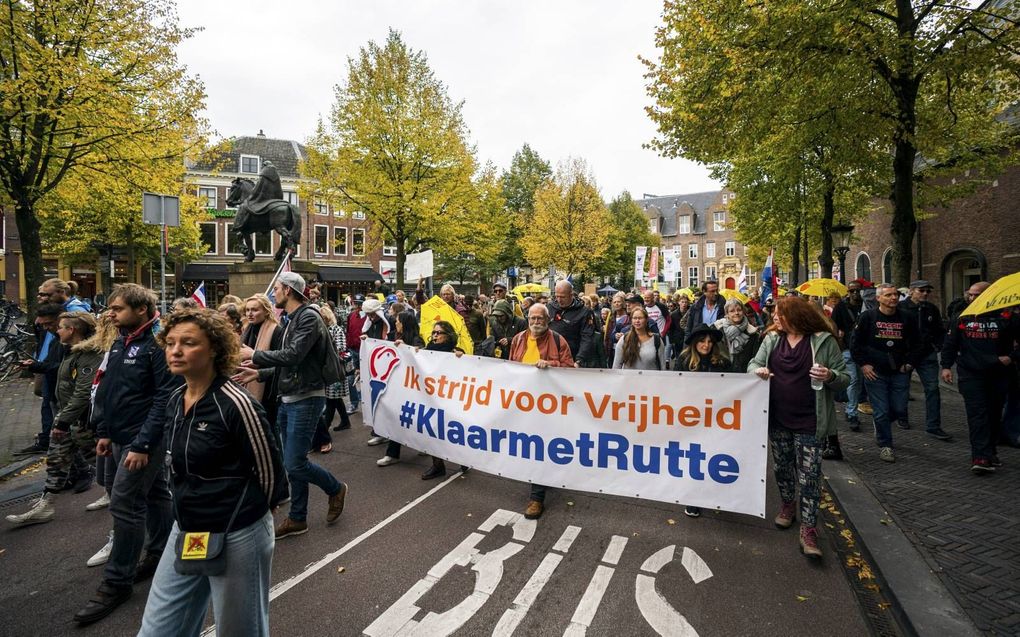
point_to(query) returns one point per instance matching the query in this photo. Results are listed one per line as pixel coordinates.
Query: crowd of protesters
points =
(236, 398)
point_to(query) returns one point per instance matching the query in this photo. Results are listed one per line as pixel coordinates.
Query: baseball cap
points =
(294, 281)
(634, 298)
(919, 284)
(498, 285)
(359, 298)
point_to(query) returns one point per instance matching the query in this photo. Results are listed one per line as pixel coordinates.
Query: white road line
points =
(569, 535)
(315, 567)
(615, 550)
(522, 603)
(590, 601)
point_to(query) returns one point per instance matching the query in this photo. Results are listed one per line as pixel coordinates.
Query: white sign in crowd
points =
(685, 438)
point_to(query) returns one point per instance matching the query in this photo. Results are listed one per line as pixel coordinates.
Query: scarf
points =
(737, 334)
(265, 337)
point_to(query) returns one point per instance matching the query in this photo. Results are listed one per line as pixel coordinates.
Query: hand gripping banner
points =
(680, 437)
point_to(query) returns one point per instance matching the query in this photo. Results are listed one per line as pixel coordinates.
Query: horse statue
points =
(261, 208)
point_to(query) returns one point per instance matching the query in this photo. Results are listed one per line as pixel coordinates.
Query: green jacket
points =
(827, 353)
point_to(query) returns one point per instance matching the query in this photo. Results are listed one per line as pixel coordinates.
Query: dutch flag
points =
(768, 280)
(199, 294)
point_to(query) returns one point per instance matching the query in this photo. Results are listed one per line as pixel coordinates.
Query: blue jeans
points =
(141, 509)
(888, 394)
(928, 372)
(297, 422)
(853, 391)
(178, 603)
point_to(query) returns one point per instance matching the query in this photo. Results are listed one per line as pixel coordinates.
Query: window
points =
(339, 212)
(724, 197)
(718, 221)
(209, 237)
(863, 266)
(291, 197)
(752, 280)
(339, 240)
(709, 272)
(685, 224)
(321, 207)
(745, 251)
(692, 251)
(679, 278)
(692, 276)
(207, 194)
(358, 214)
(358, 242)
(815, 269)
(731, 249)
(321, 240)
(250, 164)
(710, 250)
(653, 226)
(389, 248)
(263, 242)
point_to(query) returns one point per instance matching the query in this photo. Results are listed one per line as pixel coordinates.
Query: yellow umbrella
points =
(733, 294)
(1000, 295)
(686, 292)
(529, 288)
(821, 287)
(435, 310)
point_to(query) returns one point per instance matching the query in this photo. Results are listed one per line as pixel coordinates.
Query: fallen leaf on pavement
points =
(671, 521)
(340, 569)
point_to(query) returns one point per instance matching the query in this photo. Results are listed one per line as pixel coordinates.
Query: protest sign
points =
(418, 265)
(685, 438)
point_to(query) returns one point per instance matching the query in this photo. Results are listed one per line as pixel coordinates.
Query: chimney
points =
(261, 134)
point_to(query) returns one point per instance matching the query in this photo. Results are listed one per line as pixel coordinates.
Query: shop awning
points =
(347, 274)
(204, 272)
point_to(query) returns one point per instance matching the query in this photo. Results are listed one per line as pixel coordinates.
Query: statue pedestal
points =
(246, 279)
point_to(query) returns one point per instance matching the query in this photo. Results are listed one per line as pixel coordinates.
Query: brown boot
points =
(336, 504)
(809, 542)
(534, 510)
(290, 527)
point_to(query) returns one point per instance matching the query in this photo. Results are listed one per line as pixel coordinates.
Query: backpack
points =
(332, 369)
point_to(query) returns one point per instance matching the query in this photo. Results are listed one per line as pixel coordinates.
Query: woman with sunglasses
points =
(442, 339)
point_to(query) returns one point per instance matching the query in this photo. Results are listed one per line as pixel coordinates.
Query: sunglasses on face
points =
(438, 333)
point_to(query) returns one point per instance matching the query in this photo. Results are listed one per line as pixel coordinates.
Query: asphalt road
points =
(456, 557)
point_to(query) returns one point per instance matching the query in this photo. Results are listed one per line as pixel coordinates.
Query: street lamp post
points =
(841, 234)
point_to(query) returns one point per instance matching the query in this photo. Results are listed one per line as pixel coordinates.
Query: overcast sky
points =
(562, 76)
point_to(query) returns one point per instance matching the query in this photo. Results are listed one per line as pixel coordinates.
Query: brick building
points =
(973, 239)
(333, 238)
(696, 224)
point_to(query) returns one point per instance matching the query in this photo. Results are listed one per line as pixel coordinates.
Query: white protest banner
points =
(686, 438)
(418, 265)
(670, 264)
(639, 262)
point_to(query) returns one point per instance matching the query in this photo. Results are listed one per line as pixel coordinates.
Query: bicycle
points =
(15, 348)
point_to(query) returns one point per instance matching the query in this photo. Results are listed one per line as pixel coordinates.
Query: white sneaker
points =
(886, 454)
(103, 555)
(41, 511)
(101, 503)
(386, 461)
(376, 440)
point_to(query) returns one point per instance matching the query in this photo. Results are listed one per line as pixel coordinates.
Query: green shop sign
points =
(221, 214)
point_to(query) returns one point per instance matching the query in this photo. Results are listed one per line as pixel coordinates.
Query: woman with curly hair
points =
(227, 475)
(801, 359)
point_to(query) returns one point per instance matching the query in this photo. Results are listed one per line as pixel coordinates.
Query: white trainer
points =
(41, 511)
(103, 555)
(376, 440)
(101, 503)
(386, 461)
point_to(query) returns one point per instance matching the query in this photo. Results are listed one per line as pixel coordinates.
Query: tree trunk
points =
(31, 250)
(828, 213)
(401, 242)
(795, 261)
(904, 224)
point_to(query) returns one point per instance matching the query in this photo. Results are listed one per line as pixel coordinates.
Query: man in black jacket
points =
(928, 320)
(299, 367)
(574, 322)
(845, 317)
(708, 309)
(986, 351)
(886, 347)
(131, 411)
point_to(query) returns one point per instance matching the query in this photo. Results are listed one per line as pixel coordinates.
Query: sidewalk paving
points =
(966, 526)
(21, 419)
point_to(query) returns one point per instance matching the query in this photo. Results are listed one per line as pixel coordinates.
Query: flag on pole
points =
(653, 269)
(768, 279)
(199, 294)
(639, 262)
(742, 281)
(284, 267)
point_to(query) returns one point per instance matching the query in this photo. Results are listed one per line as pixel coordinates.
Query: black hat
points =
(634, 298)
(359, 298)
(704, 330)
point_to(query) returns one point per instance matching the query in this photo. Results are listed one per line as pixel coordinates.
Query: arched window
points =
(863, 266)
(960, 270)
(887, 265)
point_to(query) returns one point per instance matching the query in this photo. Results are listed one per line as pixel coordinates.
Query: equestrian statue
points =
(261, 208)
